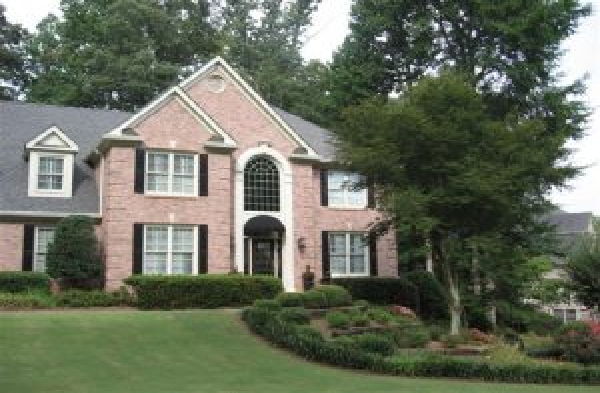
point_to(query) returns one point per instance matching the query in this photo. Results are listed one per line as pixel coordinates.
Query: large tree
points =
(508, 48)
(12, 70)
(583, 266)
(117, 53)
(263, 39)
(469, 181)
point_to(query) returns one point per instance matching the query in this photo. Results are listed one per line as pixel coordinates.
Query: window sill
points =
(355, 275)
(170, 196)
(351, 208)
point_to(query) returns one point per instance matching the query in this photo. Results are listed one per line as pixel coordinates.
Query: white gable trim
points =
(36, 143)
(257, 100)
(174, 92)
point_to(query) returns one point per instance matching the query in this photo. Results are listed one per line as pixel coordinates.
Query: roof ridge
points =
(25, 103)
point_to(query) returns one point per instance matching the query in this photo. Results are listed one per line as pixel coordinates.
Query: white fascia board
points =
(44, 214)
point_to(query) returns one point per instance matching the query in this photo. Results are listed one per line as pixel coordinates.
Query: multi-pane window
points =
(348, 254)
(261, 185)
(169, 249)
(50, 173)
(171, 173)
(342, 189)
(44, 235)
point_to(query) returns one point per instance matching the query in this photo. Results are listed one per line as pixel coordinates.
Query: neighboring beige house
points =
(569, 227)
(208, 178)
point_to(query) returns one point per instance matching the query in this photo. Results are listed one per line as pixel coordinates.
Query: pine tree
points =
(12, 67)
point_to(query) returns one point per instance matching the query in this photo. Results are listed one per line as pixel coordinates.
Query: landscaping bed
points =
(377, 339)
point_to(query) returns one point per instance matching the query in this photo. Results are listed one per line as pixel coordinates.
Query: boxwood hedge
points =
(204, 291)
(24, 282)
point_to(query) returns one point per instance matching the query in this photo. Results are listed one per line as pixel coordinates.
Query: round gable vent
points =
(215, 83)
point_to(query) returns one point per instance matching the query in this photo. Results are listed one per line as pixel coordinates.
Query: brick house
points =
(208, 178)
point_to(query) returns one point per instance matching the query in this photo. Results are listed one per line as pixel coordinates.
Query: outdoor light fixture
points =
(301, 244)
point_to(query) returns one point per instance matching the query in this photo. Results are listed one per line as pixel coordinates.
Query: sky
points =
(330, 26)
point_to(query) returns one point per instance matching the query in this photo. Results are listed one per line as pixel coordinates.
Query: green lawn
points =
(163, 352)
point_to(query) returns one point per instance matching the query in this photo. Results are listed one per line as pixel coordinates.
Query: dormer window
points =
(51, 173)
(51, 163)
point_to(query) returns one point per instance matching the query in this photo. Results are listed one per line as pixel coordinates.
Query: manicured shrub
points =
(578, 343)
(359, 318)
(269, 304)
(380, 290)
(415, 336)
(375, 343)
(380, 315)
(545, 352)
(314, 299)
(24, 282)
(291, 299)
(337, 319)
(204, 291)
(73, 255)
(335, 295)
(360, 303)
(26, 300)
(79, 298)
(433, 301)
(294, 315)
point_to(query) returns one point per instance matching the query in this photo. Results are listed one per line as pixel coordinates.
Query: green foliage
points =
(433, 301)
(117, 54)
(578, 343)
(375, 343)
(26, 300)
(294, 315)
(205, 291)
(359, 318)
(380, 290)
(338, 319)
(380, 315)
(267, 304)
(73, 255)
(314, 299)
(79, 298)
(525, 318)
(12, 58)
(291, 299)
(409, 336)
(312, 347)
(583, 267)
(24, 282)
(335, 295)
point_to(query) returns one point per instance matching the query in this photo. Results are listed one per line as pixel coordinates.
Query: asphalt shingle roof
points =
(21, 122)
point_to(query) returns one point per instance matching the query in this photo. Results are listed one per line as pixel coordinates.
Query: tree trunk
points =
(429, 260)
(455, 308)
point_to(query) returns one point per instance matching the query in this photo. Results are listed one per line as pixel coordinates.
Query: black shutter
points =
(202, 249)
(324, 186)
(325, 258)
(138, 249)
(28, 236)
(140, 168)
(370, 195)
(203, 175)
(373, 254)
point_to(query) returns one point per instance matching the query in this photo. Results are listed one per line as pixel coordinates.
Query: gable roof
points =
(41, 141)
(21, 123)
(570, 223)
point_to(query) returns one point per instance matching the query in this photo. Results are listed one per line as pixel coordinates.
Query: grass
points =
(194, 351)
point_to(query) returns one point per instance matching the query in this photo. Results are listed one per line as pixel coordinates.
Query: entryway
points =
(262, 246)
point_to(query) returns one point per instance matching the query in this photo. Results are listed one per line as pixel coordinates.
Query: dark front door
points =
(263, 256)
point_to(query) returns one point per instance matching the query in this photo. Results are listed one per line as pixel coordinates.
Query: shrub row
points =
(323, 296)
(307, 343)
(26, 300)
(79, 298)
(419, 291)
(15, 282)
(204, 291)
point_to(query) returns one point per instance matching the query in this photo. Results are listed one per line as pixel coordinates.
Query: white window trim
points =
(367, 271)
(171, 174)
(170, 247)
(67, 183)
(346, 204)
(36, 246)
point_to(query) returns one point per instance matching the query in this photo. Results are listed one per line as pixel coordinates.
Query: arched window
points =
(261, 185)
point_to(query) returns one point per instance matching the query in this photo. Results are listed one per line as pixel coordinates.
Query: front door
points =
(263, 256)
